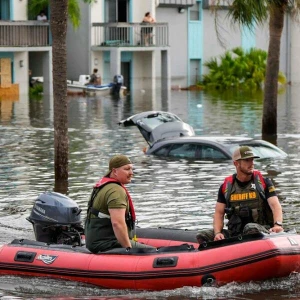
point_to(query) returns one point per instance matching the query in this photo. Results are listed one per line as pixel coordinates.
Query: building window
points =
(195, 12)
(5, 10)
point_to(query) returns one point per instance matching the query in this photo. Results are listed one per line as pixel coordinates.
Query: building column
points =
(165, 70)
(115, 62)
(47, 73)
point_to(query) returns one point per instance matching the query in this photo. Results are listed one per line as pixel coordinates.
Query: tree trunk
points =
(269, 120)
(58, 22)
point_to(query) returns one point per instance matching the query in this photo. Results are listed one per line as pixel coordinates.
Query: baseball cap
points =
(243, 152)
(117, 161)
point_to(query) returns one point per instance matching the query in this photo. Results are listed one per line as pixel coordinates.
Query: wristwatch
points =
(278, 223)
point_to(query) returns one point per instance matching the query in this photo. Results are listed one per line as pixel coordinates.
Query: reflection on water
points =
(166, 192)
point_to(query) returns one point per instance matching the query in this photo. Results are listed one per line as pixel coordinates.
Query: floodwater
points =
(168, 193)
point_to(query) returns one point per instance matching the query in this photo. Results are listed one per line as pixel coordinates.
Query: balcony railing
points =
(223, 4)
(24, 34)
(130, 34)
(176, 3)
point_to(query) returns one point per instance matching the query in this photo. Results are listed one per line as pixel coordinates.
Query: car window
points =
(261, 150)
(183, 150)
(163, 151)
(265, 151)
(208, 152)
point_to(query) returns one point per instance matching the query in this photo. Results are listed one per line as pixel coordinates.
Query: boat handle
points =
(163, 262)
(25, 256)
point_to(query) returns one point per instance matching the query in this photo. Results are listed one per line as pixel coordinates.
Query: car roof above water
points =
(226, 144)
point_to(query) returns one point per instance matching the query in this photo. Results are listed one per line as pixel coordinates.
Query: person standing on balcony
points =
(146, 32)
(42, 16)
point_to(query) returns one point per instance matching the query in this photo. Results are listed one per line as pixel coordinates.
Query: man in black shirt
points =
(248, 199)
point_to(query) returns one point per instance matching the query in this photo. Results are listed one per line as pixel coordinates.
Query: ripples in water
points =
(166, 192)
(17, 288)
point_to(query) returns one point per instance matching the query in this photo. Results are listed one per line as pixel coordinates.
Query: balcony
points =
(223, 4)
(24, 34)
(176, 3)
(130, 35)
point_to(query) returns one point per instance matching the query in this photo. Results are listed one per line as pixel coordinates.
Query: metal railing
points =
(223, 4)
(177, 3)
(130, 34)
(24, 34)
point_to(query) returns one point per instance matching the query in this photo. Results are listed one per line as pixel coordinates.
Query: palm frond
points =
(35, 6)
(74, 13)
(248, 12)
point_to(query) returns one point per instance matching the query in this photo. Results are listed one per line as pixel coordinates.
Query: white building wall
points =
(96, 11)
(178, 42)
(140, 7)
(262, 37)
(294, 45)
(20, 10)
(231, 36)
(21, 71)
(97, 15)
(262, 42)
(78, 42)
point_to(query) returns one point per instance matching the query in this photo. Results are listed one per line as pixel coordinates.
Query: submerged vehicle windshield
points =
(260, 149)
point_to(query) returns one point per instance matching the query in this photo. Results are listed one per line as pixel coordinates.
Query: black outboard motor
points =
(118, 82)
(56, 219)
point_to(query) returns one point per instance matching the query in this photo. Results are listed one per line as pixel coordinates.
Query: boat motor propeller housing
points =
(118, 82)
(56, 219)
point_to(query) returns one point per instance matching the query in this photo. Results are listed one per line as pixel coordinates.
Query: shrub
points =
(237, 69)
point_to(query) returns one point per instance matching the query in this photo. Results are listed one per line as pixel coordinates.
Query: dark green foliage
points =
(36, 92)
(236, 69)
(35, 6)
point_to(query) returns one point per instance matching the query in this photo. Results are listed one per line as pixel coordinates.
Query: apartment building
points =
(184, 38)
(24, 45)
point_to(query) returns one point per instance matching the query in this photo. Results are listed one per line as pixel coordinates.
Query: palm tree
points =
(249, 12)
(59, 10)
(58, 23)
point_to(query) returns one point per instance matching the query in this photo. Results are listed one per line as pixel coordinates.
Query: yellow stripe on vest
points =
(243, 196)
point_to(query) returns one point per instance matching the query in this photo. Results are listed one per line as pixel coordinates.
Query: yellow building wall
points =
(7, 88)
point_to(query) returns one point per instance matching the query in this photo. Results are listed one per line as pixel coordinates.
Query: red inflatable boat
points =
(257, 257)
(177, 260)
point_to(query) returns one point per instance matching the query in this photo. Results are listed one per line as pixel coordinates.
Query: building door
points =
(125, 71)
(117, 12)
(5, 10)
(195, 71)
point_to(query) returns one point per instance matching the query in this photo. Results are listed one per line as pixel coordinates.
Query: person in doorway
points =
(42, 16)
(95, 78)
(146, 32)
(31, 80)
(248, 199)
(111, 217)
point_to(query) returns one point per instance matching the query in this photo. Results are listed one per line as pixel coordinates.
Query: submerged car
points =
(168, 136)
